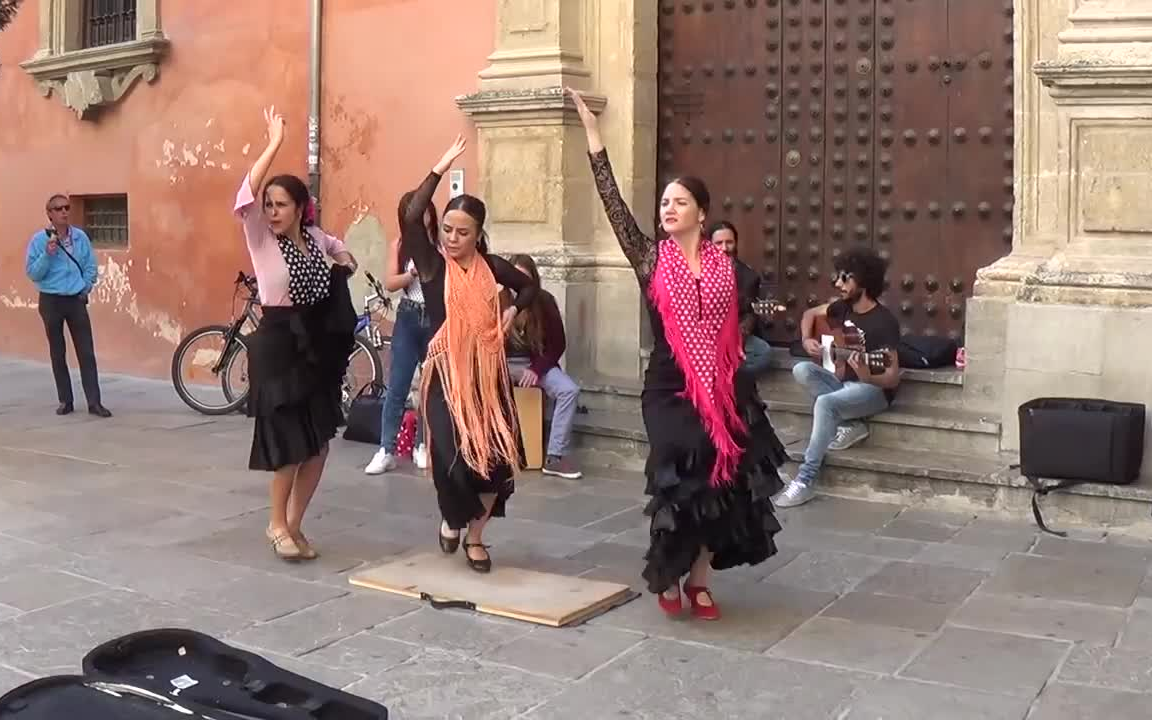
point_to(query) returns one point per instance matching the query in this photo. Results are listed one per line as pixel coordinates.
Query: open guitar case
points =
(170, 674)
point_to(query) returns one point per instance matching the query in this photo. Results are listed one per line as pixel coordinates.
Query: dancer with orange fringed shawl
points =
(711, 469)
(472, 432)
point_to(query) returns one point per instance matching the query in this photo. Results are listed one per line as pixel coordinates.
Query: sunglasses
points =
(842, 277)
(60, 207)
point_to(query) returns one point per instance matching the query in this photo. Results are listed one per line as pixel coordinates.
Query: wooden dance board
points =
(535, 597)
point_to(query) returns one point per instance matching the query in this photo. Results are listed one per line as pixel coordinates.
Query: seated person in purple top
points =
(298, 356)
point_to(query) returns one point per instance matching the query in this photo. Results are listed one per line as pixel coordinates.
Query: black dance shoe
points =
(448, 545)
(481, 566)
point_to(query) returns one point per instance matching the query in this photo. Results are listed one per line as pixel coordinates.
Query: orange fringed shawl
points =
(467, 353)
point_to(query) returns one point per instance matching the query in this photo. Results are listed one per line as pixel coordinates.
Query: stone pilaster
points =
(534, 172)
(1070, 310)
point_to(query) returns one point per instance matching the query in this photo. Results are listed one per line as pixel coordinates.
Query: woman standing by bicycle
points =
(474, 438)
(299, 353)
(410, 336)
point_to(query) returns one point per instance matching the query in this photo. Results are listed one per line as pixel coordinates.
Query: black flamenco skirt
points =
(296, 364)
(735, 522)
(458, 486)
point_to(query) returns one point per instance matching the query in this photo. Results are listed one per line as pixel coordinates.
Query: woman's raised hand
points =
(275, 122)
(588, 119)
(454, 151)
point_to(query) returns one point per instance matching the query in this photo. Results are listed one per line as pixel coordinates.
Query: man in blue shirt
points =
(62, 264)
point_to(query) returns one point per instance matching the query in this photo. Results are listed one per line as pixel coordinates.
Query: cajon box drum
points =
(530, 410)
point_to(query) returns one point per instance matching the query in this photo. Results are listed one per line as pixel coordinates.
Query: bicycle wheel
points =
(364, 367)
(197, 364)
(234, 376)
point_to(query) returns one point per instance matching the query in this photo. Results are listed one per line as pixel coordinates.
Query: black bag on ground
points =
(173, 673)
(924, 352)
(364, 414)
(1078, 440)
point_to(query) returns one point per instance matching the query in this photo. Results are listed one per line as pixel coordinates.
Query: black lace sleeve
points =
(511, 278)
(414, 234)
(638, 247)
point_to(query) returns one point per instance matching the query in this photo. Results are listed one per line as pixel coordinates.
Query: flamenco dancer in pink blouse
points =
(711, 468)
(298, 356)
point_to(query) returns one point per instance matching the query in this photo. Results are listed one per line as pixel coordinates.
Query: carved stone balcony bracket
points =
(87, 80)
(1095, 82)
(523, 104)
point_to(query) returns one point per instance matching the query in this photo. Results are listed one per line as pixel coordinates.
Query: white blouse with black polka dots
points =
(307, 272)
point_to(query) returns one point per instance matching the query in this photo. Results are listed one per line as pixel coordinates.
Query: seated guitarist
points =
(844, 399)
(757, 351)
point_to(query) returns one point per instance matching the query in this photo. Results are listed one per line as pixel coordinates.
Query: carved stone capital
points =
(489, 106)
(88, 80)
(1083, 81)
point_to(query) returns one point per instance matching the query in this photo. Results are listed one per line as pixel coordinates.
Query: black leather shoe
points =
(448, 545)
(64, 409)
(480, 566)
(99, 411)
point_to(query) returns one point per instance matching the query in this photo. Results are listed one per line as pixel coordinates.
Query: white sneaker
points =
(420, 456)
(848, 435)
(797, 493)
(381, 463)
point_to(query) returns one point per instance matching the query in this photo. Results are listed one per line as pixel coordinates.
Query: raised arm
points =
(414, 232)
(260, 168)
(246, 208)
(638, 247)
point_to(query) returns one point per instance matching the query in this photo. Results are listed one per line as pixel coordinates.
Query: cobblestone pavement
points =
(869, 611)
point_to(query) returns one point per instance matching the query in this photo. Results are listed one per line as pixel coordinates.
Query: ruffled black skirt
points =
(736, 522)
(458, 486)
(297, 359)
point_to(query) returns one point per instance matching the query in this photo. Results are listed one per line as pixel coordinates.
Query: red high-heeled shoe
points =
(671, 606)
(704, 612)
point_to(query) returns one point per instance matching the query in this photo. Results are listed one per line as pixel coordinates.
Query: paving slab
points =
(988, 661)
(1077, 702)
(902, 699)
(1055, 578)
(851, 645)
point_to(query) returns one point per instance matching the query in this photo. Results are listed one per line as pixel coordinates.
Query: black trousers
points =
(55, 310)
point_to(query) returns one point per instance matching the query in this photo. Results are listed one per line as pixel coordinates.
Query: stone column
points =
(1069, 311)
(534, 173)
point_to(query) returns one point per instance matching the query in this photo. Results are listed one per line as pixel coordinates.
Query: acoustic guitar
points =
(848, 340)
(768, 308)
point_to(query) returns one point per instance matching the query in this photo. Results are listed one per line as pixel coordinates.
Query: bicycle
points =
(224, 364)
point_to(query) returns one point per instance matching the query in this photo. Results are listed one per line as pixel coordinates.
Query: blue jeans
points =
(757, 354)
(836, 402)
(410, 336)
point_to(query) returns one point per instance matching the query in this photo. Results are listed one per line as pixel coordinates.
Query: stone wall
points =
(535, 174)
(1068, 312)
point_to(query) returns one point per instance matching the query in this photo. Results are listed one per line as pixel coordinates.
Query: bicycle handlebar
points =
(375, 285)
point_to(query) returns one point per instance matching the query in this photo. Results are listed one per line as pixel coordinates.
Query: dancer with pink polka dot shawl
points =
(711, 468)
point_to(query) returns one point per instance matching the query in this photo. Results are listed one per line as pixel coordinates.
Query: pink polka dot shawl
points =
(701, 324)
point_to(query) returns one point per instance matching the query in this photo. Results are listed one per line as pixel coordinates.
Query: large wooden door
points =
(818, 124)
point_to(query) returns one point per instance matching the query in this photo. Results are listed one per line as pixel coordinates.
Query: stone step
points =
(941, 388)
(947, 481)
(918, 388)
(952, 429)
(909, 427)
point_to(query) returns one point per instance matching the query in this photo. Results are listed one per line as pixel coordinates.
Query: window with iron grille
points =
(106, 220)
(107, 22)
